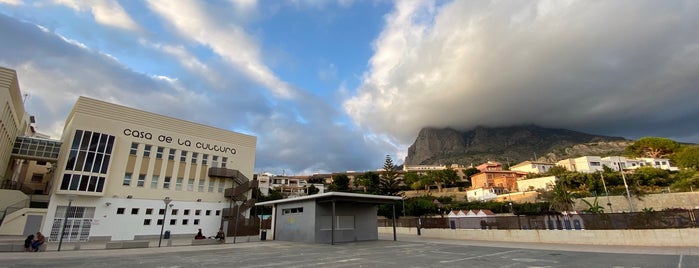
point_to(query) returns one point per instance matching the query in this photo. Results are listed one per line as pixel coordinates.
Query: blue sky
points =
(332, 86)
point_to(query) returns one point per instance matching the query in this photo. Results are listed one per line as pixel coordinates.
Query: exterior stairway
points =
(245, 226)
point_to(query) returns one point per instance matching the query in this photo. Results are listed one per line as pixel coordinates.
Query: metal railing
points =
(669, 219)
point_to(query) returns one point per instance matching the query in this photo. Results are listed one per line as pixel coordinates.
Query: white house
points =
(533, 167)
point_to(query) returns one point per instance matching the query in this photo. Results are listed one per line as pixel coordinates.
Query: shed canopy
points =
(338, 196)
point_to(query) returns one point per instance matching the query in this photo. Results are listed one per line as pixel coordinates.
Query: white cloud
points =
(107, 12)
(231, 42)
(12, 2)
(608, 67)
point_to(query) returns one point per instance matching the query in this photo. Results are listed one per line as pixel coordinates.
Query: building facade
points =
(13, 120)
(118, 165)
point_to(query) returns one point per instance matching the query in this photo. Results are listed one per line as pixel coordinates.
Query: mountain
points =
(507, 145)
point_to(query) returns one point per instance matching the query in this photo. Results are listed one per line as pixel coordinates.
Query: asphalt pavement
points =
(408, 251)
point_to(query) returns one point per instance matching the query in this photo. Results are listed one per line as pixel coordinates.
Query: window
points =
(149, 211)
(204, 159)
(194, 157)
(190, 185)
(196, 221)
(127, 179)
(220, 186)
(37, 177)
(161, 211)
(159, 153)
(166, 183)
(208, 212)
(120, 211)
(171, 154)
(218, 213)
(134, 148)
(178, 184)
(174, 212)
(215, 161)
(134, 211)
(146, 151)
(211, 185)
(173, 221)
(160, 222)
(146, 222)
(223, 161)
(154, 182)
(201, 185)
(292, 210)
(183, 156)
(141, 180)
(197, 212)
(185, 221)
(89, 155)
(186, 212)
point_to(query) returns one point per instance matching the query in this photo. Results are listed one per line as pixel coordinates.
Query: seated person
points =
(199, 235)
(220, 235)
(28, 243)
(38, 241)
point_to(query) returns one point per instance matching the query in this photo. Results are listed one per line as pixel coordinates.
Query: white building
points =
(481, 194)
(584, 164)
(543, 183)
(119, 164)
(532, 167)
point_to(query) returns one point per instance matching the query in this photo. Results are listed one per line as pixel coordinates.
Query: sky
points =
(333, 86)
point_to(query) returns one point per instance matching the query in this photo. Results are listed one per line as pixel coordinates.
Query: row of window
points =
(88, 161)
(179, 183)
(292, 210)
(174, 211)
(172, 222)
(194, 159)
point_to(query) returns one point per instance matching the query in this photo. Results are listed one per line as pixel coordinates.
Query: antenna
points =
(26, 96)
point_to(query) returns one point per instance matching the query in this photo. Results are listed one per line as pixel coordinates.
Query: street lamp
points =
(623, 177)
(70, 198)
(167, 201)
(237, 214)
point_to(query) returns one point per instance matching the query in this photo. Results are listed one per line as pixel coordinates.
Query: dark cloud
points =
(622, 68)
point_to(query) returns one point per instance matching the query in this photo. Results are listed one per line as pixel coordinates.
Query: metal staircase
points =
(245, 226)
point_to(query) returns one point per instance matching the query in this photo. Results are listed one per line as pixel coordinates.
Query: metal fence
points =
(677, 218)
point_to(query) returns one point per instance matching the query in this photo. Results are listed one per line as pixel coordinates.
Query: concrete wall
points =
(363, 225)
(297, 227)
(656, 237)
(14, 223)
(686, 200)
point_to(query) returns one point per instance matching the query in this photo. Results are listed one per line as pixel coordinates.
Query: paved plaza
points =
(409, 251)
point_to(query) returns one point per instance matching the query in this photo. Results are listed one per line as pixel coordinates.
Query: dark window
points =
(197, 212)
(149, 211)
(173, 221)
(161, 211)
(37, 177)
(196, 221)
(160, 222)
(146, 222)
(134, 211)
(174, 212)
(186, 212)
(218, 213)
(120, 210)
(185, 221)
(208, 213)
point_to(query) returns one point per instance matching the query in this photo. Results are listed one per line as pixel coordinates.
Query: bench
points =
(18, 247)
(127, 244)
(198, 242)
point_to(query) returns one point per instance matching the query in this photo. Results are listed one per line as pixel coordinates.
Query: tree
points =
(312, 190)
(470, 172)
(340, 183)
(653, 147)
(389, 184)
(594, 207)
(562, 200)
(687, 157)
(370, 181)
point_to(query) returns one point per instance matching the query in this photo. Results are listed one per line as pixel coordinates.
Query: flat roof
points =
(337, 196)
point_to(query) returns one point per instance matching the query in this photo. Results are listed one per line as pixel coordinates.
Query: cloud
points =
(12, 2)
(610, 67)
(107, 12)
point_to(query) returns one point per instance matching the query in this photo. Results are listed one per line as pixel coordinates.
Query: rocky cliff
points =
(507, 145)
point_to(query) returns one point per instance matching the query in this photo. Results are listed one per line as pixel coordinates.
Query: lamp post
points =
(623, 177)
(167, 201)
(65, 220)
(606, 192)
(237, 214)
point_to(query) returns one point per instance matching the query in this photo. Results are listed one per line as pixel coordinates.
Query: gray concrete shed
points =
(328, 217)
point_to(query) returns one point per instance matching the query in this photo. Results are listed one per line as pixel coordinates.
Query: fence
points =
(678, 218)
